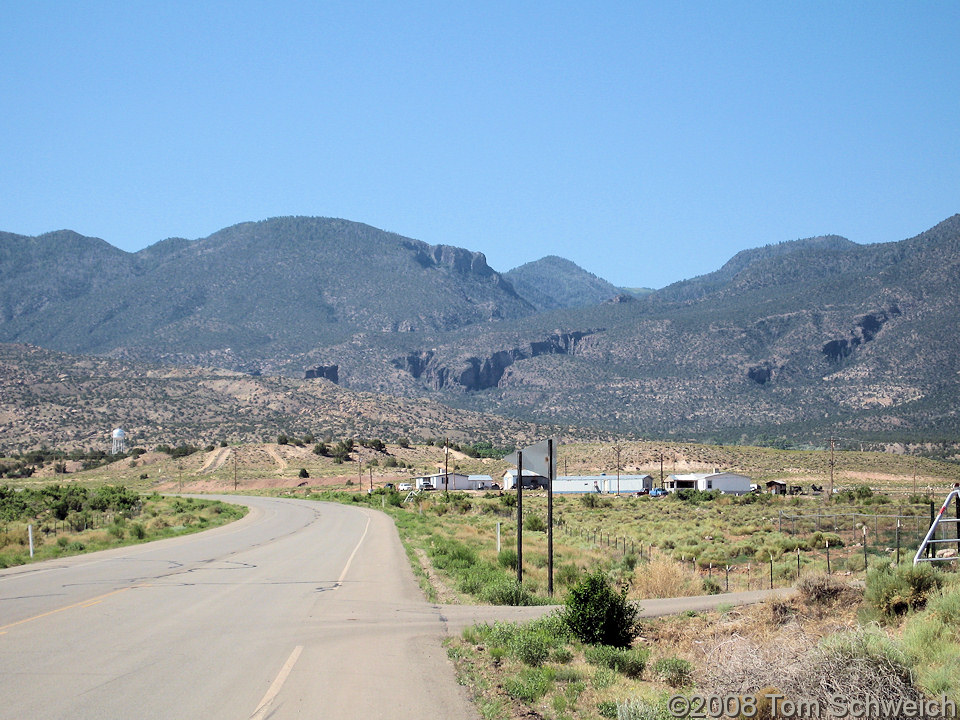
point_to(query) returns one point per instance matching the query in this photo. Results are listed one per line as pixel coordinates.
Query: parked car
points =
(388, 486)
(427, 486)
(658, 492)
(405, 487)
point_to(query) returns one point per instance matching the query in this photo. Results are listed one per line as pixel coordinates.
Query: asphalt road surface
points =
(299, 610)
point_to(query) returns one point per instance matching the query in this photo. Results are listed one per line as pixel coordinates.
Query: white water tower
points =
(119, 442)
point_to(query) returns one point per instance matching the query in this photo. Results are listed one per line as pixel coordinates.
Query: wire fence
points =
(908, 524)
(848, 543)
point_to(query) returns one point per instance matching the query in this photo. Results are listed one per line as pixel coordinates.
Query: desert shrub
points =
(629, 662)
(855, 563)
(138, 531)
(821, 589)
(675, 672)
(530, 648)
(607, 709)
(475, 579)
(711, 586)
(820, 539)
(861, 663)
(508, 500)
(929, 639)
(590, 500)
(603, 678)
(598, 614)
(508, 592)
(452, 555)
(303, 473)
(534, 523)
(894, 591)
(568, 574)
(641, 709)
(530, 685)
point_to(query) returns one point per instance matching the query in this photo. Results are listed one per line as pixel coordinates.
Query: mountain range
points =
(800, 339)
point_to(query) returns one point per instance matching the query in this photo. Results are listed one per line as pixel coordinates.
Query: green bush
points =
(597, 614)
(530, 648)
(507, 558)
(531, 685)
(568, 574)
(675, 672)
(138, 531)
(629, 662)
(607, 709)
(534, 523)
(508, 592)
(894, 591)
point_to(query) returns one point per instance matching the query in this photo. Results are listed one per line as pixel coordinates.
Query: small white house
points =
(726, 482)
(480, 482)
(448, 481)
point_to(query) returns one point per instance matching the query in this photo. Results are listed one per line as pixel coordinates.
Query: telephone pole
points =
(618, 449)
(830, 496)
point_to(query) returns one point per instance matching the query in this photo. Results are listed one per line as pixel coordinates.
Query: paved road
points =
(300, 610)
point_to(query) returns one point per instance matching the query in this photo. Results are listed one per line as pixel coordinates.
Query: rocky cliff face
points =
(481, 373)
(324, 372)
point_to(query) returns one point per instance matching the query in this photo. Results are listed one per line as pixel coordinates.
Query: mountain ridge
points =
(808, 336)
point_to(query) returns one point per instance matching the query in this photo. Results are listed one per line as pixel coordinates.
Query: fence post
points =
(898, 541)
(864, 549)
(828, 557)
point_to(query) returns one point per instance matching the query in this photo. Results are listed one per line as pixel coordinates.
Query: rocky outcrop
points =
(325, 372)
(481, 373)
(864, 331)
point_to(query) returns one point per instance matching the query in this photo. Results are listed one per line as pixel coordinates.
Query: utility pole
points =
(519, 517)
(446, 465)
(234, 470)
(550, 463)
(618, 449)
(661, 470)
(914, 474)
(830, 496)
(180, 473)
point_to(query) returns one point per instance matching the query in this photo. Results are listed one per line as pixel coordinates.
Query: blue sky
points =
(647, 142)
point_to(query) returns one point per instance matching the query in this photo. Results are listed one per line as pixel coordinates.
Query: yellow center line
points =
(82, 603)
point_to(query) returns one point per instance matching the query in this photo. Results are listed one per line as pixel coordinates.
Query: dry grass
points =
(665, 578)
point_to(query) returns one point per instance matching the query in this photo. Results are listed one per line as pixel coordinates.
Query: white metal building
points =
(628, 484)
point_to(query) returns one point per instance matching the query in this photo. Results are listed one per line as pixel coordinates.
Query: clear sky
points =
(646, 141)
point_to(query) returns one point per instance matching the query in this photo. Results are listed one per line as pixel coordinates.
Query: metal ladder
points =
(930, 540)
